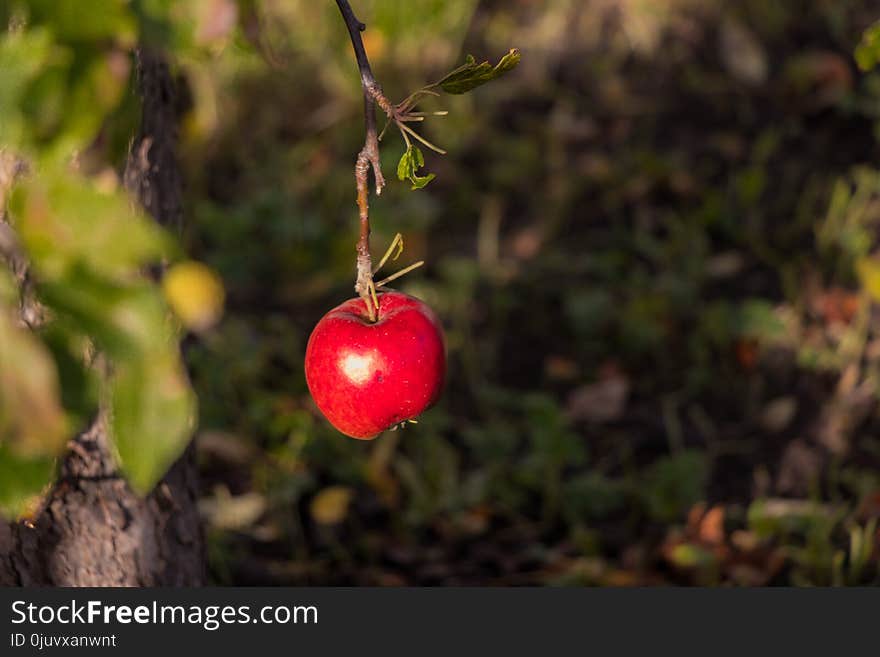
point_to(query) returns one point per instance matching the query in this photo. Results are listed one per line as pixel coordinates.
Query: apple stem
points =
(367, 158)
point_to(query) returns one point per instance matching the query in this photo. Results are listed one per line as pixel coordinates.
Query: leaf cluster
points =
(106, 338)
(461, 80)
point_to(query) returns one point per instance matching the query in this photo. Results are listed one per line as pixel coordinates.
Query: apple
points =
(367, 377)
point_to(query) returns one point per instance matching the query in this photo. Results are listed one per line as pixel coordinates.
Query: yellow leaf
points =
(868, 270)
(330, 506)
(195, 294)
(32, 421)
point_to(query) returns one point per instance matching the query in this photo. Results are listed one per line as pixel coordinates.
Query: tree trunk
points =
(92, 530)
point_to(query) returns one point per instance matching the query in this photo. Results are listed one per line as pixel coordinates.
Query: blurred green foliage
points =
(868, 51)
(645, 244)
(63, 78)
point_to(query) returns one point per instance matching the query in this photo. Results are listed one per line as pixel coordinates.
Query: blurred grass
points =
(644, 247)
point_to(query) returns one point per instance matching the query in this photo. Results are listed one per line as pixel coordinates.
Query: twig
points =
(368, 156)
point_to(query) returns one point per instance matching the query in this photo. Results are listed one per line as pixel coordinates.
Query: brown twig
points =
(368, 156)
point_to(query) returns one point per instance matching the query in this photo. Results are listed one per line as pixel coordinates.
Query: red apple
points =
(369, 376)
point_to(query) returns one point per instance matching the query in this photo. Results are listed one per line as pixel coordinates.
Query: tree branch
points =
(368, 156)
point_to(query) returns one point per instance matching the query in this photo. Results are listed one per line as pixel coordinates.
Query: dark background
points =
(650, 246)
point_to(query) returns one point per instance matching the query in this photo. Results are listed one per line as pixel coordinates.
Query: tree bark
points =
(92, 530)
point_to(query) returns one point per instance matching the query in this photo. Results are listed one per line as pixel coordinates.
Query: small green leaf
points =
(471, 75)
(689, 555)
(421, 181)
(867, 53)
(868, 270)
(411, 161)
(153, 413)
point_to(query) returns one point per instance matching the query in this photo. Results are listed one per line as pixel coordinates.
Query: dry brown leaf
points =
(602, 401)
(560, 368)
(712, 526)
(747, 353)
(836, 305)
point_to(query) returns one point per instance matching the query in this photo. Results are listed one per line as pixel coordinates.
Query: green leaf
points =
(79, 383)
(21, 480)
(471, 75)
(867, 53)
(96, 86)
(55, 94)
(689, 555)
(68, 20)
(65, 220)
(152, 407)
(22, 55)
(153, 412)
(410, 162)
(102, 309)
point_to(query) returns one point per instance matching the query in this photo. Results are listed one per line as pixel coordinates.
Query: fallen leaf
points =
(742, 53)
(712, 526)
(695, 515)
(602, 401)
(330, 506)
(745, 540)
(225, 511)
(560, 368)
(836, 305)
(778, 414)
